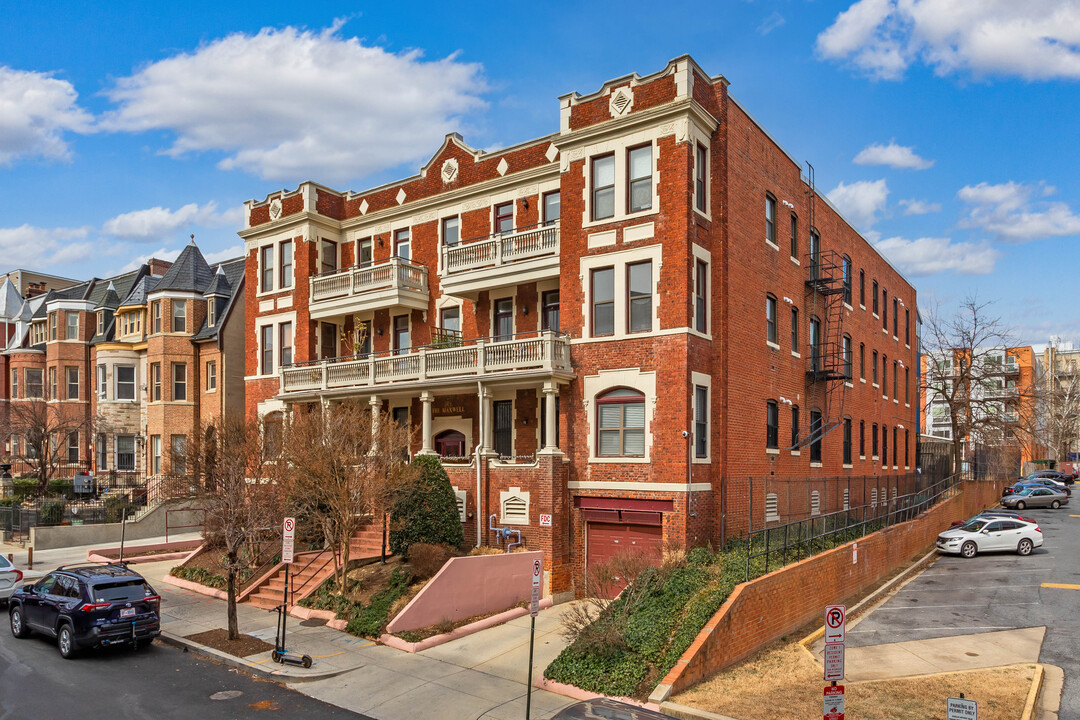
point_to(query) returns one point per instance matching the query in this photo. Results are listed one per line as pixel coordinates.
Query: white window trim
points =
(116, 382)
(633, 378)
(704, 381)
(703, 138)
(275, 321)
(619, 259)
(207, 372)
(276, 242)
(699, 253)
(494, 295)
(619, 147)
(514, 493)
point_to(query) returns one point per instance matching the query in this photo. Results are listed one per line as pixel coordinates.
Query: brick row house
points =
(604, 331)
(136, 360)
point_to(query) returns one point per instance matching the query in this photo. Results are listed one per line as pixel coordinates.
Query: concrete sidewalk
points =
(46, 560)
(479, 676)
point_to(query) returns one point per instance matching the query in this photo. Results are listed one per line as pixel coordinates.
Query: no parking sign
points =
(835, 622)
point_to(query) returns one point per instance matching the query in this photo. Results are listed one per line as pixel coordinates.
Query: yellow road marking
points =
(335, 654)
(1062, 586)
(1074, 516)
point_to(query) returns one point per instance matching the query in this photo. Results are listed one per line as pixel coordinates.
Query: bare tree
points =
(1056, 424)
(346, 462)
(237, 483)
(44, 431)
(967, 374)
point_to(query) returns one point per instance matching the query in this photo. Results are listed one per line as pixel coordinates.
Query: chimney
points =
(158, 267)
(34, 289)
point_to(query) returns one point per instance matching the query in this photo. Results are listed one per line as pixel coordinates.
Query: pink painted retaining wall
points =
(467, 587)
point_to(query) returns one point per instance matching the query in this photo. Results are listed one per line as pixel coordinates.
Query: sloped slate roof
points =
(233, 273)
(220, 285)
(10, 300)
(189, 273)
(110, 300)
(140, 290)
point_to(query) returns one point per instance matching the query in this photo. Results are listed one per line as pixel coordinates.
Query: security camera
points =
(686, 433)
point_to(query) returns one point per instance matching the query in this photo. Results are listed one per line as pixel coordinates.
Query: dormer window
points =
(101, 322)
(211, 312)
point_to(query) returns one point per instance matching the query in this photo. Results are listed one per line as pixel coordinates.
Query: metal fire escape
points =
(827, 289)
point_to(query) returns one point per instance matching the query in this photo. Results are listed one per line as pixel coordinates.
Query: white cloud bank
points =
(1032, 39)
(860, 202)
(899, 157)
(291, 104)
(920, 207)
(36, 110)
(1013, 212)
(928, 256)
(158, 223)
(37, 247)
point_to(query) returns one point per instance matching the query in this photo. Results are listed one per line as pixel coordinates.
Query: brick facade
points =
(662, 353)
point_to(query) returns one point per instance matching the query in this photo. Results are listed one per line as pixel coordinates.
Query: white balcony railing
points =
(543, 351)
(395, 273)
(502, 249)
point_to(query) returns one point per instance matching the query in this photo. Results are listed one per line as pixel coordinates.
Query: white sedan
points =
(10, 579)
(986, 534)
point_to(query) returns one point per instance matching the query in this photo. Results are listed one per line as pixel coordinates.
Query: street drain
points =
(226, 695)
(971, 654)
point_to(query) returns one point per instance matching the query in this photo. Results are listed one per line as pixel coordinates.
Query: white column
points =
(376, 406)
(488, 425)
(426, 398)
(550, 393)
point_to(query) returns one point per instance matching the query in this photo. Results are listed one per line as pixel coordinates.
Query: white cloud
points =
(37, 247)
(920, 207)
(900, 157)
(229, 253)
(927, 256)
(158, 223)
(860, 202)
(137, 260)
(1033, 39)
(36, 110)
(770, 23)
(288, 103)
(1009, 212)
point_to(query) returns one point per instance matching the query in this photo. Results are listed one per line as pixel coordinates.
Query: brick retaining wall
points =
(769, 607)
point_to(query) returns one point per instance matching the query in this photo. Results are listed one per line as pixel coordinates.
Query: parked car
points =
(88, 605)
(607, 709)
(1066, 478)
(985, 534)
(1050, 483)
(10, 579)
(1036, 496)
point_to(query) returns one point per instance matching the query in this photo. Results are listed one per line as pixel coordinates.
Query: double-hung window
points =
(862, 289)
(874, 297)
(549, 301)
(815, 433)
(884, 309)
(155, 454)
(179, 381)
(862, 439)
(72, 377)
(847, 441)
(552, 209)
(794, 329)
(621, 423)
(846, 270)
(862, 361)
(402, 244)
(211, 375)
(815, 254)
(815, 344)
(603, 301)
(53, 392)
(328, 249)
(701, 285)
(794, 237)
(267, 350)
(285, 277)
(770, 319)
(639, 162)
(179, 316)
(73, 448)
(701, 421)
(701, 170)
(770, 219)
(846, 347)
(34, 387)
(451, 231)
(895, 317)
(504, 218)
(873, 375)
(155, 382)
(155, 313)
(603, 187)
(364, 256)
(772, 425)
(52, 326)
(71, 320)
(794, 425)
(285, 336)
(639, 296)
(266, 268)
(125, 452)
(15, 382)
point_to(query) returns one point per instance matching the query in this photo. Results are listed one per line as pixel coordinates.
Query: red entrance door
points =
(606, 540)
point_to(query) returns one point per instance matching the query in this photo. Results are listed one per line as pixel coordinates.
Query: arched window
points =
(450, 444)
(620, 415)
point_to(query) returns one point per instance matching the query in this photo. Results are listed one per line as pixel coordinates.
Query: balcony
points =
(1006, 392)
(1011, 367)
(542, 354)
(395, 283)
(522, 255)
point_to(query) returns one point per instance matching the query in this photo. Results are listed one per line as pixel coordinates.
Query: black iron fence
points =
(778, 545)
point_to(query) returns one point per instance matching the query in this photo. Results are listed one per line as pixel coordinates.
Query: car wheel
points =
(1055, 504)
(968, 549)
(1021, 505)
(1024, 548)
(18, 627)
(65, 640)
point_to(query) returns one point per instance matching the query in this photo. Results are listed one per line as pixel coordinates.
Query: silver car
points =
(10, 579)
(1035, 497)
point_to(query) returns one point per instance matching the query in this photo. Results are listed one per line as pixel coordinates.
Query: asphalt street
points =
(996, 591)
(159, 682)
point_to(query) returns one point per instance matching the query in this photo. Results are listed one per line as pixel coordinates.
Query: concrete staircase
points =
(310, 569)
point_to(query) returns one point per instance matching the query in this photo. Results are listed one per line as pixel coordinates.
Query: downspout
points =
(476, 458)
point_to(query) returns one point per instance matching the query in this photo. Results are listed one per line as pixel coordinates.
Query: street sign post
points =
(834, 661)
(534, 609)
(835, 622)
(288, 538)
(961, 709)
(834, 702)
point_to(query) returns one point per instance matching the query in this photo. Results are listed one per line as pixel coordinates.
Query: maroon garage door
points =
(608, 539)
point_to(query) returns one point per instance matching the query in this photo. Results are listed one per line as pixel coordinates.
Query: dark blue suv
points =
(88, 605)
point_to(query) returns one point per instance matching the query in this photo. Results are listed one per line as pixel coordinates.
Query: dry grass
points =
(783, 683)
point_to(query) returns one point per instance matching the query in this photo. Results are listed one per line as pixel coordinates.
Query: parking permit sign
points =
(835, 622)
(288, 537)
(961, 709)
(834, 703)
(834, 661)
(537, 573)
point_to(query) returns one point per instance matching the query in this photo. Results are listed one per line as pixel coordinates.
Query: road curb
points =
(1033, 694)
(240, 663)
(685, 712)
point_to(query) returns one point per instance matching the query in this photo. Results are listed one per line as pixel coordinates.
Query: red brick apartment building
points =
(132, 361)
(604, 331)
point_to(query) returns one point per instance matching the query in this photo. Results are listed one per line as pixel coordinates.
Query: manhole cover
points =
(313, 622)
(226, 695)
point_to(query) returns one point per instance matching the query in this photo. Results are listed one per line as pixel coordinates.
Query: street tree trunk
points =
(234, 628)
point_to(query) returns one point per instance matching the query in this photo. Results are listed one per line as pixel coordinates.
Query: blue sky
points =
(944, 129)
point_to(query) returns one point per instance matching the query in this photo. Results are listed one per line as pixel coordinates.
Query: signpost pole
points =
(528, 687)
(534, 609)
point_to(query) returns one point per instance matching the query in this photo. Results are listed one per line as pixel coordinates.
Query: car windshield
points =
(121, 592)
(1025, 491)
(974, 525)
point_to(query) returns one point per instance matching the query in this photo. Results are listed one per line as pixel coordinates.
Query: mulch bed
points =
(219, 640)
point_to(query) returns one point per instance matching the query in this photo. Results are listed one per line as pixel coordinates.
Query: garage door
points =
(605, 540)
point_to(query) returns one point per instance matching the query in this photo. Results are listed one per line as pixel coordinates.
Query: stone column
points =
(550, 393)
(426, 398)
(376, 405)
(488, 425)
